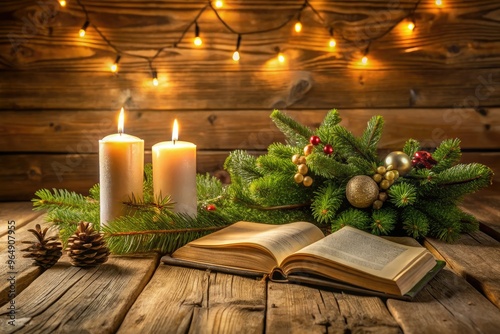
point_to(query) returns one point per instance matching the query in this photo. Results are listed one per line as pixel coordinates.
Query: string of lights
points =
(215, 6)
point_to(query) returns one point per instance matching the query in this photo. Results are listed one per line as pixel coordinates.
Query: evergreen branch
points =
(447, 154)
(329, 168)
(325, 131)
(282, 151)
(351, 217)
(383, 221)
(327, 201)
(347, 145)
(411, 147)
(371, 136)
(296, 133)
(241, 166)
(280, 207)
(173, 231)
(402, 194)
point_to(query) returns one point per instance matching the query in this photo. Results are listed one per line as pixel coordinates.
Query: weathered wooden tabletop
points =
(140, 295)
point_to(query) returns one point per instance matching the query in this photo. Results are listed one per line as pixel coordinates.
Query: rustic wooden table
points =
(140, 295)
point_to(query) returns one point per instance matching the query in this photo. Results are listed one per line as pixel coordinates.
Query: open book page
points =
(364, 252)
(279, 240)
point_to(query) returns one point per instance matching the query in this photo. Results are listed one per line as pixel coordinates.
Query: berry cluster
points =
(300, 160)
(385, 177)
(423, 159)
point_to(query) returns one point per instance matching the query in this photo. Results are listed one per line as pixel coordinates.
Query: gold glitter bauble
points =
(400, 161)
(361, 191)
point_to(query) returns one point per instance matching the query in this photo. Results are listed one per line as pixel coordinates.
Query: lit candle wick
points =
(121, 121)
(175, 132)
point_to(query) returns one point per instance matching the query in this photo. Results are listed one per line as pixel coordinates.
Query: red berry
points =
(211, 207)
(328, 149)
(314, 140)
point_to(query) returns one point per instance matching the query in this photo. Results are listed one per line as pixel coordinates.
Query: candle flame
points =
(121, 121)
(175, 131)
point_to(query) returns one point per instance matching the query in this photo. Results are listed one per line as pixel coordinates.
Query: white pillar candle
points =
(174, 173)
(121, 172)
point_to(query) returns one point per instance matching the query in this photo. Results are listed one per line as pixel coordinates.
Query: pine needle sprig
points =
(352, 217)
(327, 201)
(411, 147)
(447, 154)
(62, 198)
(415, 223)
(330, 168)
(163, 232)
(383, 221)
(296, 133)
(242, 166)
(326, 130)
(371, 136)
(402, 194)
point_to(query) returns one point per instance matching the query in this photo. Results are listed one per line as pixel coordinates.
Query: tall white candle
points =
(174, 172)
(121, 172)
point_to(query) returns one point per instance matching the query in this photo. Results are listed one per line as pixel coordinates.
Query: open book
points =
(299, 252)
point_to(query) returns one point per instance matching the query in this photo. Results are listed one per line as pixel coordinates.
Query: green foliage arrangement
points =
(423, 202)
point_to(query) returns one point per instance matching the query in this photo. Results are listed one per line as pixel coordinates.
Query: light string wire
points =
(297, 16)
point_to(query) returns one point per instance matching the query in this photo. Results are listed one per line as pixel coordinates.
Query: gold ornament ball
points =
(308, 149)
(361, 191)
(381, 170)
(308, 181)
(377, 178)
(295, 159)
(302, 160)
(377, 204)
(400, 161)
(298, 178)
(302, 168)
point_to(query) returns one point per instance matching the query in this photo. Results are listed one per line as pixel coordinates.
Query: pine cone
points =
(86, 247)
(46, 251)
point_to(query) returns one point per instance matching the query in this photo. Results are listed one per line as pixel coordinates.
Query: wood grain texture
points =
(22, 269)
(79, 132)
(461, 34)
(299, 309)
(64, 298)
(19, 212)
(485, 207)
(475, 257)
(197, 301)
(234, 90)
(448, 304)
(231, 304)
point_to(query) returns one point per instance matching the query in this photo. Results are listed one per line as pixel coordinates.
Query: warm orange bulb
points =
(298, 26)
(281, 57)
(332, 43)
(114, 67)
(411, 26)
(155, 82)
(82, 33)
(236, 56)
(219, 4)
(62, 3)
(439, 3)
(197, 41)
(364, 60)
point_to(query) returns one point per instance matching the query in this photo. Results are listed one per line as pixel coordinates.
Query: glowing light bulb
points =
(364, 60)
(155, 78)
(439, 3)
(197, 41)
(236, 56)
(281, 57)
(411, 26)
(62, 3)
(219, 4)
(332, 43)
(114, 67)
(298, 26)
(83, 30)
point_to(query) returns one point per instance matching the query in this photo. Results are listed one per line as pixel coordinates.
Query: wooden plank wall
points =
(58, 97)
